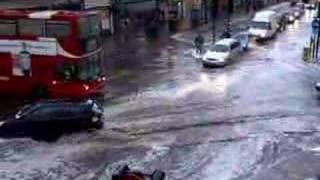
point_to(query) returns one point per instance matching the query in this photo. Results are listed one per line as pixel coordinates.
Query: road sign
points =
(315, 31)
(316, 24)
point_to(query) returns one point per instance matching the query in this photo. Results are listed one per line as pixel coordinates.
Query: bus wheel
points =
(40, 92)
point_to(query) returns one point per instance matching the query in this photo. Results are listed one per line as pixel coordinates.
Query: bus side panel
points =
(43, 69)
(5, 64)
(5, 72)
(9, 83)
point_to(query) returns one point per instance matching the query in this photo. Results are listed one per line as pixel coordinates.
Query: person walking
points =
(199, 41)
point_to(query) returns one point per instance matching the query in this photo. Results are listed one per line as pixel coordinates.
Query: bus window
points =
(31, 27)
(89, 68)
(67, 71)
(89, 26)
(58, 29)
(8, 27)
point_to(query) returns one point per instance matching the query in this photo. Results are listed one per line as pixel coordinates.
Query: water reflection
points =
(309, 15)
(215, 85)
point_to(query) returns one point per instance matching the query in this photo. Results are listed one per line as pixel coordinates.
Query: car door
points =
(72, 117)
(34, 121)
(274, 26)
(235, 49)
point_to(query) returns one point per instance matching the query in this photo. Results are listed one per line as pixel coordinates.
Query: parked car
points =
(317, 86)
(244, 40)
(293, 3)
(221, 52)
(297, 12)
(48, 120)
(290, 17)
(310, 6)
(300, 5)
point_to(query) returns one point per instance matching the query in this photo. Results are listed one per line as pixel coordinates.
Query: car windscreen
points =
(219, 48)
(27, 109)
(89, 26)
(261, 25)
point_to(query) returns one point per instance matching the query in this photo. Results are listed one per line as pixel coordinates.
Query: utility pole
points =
(214, 14)
(205, 11)
(315, 37)
(230, 9)
(318, 32)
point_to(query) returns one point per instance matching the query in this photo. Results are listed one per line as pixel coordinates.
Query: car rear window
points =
(219, 48)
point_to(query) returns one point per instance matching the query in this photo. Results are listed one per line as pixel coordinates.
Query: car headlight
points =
(222, 59)
(291, 18)
(263, 35)
(204, 57)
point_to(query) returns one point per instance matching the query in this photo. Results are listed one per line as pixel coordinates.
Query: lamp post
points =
(318, 32)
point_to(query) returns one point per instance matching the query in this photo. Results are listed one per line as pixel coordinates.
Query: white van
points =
(264, 25)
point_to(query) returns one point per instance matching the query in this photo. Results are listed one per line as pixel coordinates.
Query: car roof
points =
(55, 103)
(226, 41)
(264, 15)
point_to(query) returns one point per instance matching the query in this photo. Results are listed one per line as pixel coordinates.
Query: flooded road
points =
(254, 119)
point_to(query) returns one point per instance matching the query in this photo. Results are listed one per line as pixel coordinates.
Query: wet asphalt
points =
(257, 118)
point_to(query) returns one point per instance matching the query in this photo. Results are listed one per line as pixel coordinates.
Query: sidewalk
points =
(240, 22)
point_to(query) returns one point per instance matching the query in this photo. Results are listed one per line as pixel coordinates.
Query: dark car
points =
(310, 6)
(317, 86)
(48, 120)
(290, 17)
(125, 173)
(297, 12)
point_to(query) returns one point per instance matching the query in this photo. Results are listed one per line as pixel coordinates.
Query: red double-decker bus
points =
(54, 54)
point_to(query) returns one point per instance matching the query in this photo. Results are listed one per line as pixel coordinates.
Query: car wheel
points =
(51, 137)
(98, 124)
(158, 175)
(48, 137)
(205, 65)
